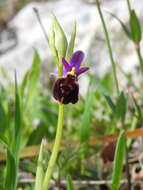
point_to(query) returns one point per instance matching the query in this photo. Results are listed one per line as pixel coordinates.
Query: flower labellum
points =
(66, 89)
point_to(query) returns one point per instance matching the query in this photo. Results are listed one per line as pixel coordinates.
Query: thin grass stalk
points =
(127, 160)
(41, 24)
(138, 50)
(129, 6)
(109, 46)
(127, 167)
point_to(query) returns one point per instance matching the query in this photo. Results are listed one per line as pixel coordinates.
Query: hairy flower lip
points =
(66, 90)
(75, 62)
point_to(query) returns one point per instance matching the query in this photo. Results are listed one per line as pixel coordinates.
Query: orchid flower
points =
(73, 66)
(66, 88)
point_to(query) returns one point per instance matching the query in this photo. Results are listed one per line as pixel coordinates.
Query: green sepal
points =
(71, 43)
(60, 40)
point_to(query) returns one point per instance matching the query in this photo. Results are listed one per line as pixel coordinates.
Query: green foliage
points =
(40, 172)
(11, 169)
(71, 43)
(118, 161)
(85, 125)
(51, 37)
(32, 78)
(121, 107)
(135, 27)
(70, 184)
(12, 163)
(57, 39)
(32, 114)
(133, 32)
(124, 26)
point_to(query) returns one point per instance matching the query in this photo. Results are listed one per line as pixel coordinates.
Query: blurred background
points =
(20, 32)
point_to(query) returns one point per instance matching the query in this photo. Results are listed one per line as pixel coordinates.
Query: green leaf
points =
(34, 77)
(124, 27)
(71, 43)
(101, 87)
(2, 118)
(132, 127)
(85, 125)
(60, 38)
(17, 137)
(110, 103)
(69, 183)
(118, 161)
(135, 27)
(121, 107)
(17, 133)
(24, 84)
(10, 178)
(10, 174)
(4, 140)
(40, 172)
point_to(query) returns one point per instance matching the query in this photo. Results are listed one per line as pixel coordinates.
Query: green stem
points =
(137, 46)
(41, 24)
(55, 150)
(127, 167)
(109, 46)
(129, 6)
(138, 50)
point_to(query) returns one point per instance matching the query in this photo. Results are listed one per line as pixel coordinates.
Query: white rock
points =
(90, 34)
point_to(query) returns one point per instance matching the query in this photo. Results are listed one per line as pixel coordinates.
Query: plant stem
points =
(55, 150)
(127, 168)
(138, 50)
(129, 6)
(108, 45)
(126, 159)
(41, 24)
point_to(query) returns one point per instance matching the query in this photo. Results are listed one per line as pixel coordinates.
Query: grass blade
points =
(34, 76)
(69, 183)
(85, 126)
(24, 84)
(118, 161)
(39, 172)
(110, 103)
(121, 107)
(17, 138)
(11, 171)
(124, 27)
(10, 174)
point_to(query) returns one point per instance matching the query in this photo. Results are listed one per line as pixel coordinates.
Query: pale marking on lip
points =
(72, 72)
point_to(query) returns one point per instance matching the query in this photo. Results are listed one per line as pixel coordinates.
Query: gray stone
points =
(90, 37)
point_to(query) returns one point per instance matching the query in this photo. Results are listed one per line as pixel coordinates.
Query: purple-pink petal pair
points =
(75, 62)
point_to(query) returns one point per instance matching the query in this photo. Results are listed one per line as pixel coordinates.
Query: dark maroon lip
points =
(66, 90)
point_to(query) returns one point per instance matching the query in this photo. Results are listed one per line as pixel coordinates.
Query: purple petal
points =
(66, 65)
(64, 72)
(77, 59)
(82, 70)
(55, 73)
